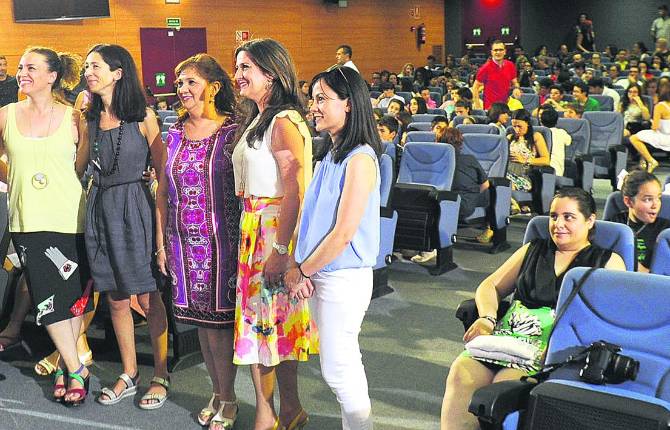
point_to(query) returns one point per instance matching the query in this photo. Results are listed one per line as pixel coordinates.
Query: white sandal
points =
(160, 398)
(130, 390)
(206, 413)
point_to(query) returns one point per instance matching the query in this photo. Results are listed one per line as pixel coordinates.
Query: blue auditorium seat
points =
(477, 128)
(530, 102)
(606, 102)
(388, 221)
(579, 167)
(427, 209)
(609, 155)
(492, 153)
(423, 117)
(420, 136)
(660, 264)
(419, 126)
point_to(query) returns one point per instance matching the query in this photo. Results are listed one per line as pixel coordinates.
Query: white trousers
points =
(338, 307)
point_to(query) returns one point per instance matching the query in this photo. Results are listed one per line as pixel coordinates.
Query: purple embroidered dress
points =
(202, 227)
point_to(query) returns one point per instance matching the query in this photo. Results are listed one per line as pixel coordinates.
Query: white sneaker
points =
(425, 256)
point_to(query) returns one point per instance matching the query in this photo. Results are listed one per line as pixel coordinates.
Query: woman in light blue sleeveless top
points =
(338, 239)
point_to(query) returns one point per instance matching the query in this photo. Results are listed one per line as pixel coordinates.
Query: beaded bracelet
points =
(159, 250)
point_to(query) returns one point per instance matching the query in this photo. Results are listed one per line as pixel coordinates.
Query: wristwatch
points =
(281, 249)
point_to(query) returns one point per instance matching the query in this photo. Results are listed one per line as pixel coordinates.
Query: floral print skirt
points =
(269, 327)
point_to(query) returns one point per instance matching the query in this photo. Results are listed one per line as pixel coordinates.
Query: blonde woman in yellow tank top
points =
(40, 137)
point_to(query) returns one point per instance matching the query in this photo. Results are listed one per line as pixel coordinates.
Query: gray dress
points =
(120, 212)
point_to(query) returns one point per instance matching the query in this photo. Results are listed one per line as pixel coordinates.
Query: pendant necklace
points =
(40, 180)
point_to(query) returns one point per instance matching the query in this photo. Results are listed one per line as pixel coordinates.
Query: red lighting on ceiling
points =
(492, 3)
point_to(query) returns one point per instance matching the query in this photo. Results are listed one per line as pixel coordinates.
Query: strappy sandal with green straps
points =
(152, 401)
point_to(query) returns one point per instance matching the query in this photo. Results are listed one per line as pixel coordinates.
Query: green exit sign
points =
(504, 31)
(476, 32)
(173, 22)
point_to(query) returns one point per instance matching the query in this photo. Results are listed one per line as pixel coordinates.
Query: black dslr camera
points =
(604, 364)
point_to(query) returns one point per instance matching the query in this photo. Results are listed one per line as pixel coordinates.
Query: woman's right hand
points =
(480, 326)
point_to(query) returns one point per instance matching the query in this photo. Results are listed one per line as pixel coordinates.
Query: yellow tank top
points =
(44, 193)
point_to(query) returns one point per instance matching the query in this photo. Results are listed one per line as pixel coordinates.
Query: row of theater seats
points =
(596, 151)
(428, 209)
(624, 308)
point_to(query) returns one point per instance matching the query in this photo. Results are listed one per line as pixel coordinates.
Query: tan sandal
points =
(151, 401)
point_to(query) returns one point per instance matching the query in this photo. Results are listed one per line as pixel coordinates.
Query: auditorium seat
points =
(609, 155)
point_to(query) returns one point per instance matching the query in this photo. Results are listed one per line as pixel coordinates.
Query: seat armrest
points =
(499, 182)
(492, 403)
(386, 212)
(403, 186)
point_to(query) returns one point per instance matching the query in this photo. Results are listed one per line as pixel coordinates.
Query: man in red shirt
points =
(497, 75)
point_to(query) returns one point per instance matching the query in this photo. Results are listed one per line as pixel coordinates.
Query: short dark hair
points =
(549, 117)
(634, 180)
(596, 82)
(347, 49)
(438, 119)
(663, 7)
(386, 86)
(389, 122)
(431, 57)
(579, 109)
(464, 93)
(579, 65)
(557, 87)
(128, 101)
(496, 110)
(582, 86)
(546, 83)
(464, 103)
(453, 137)
(360, 127)
(496, 42)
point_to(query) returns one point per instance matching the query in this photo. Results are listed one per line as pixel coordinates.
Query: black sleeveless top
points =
(537, 284)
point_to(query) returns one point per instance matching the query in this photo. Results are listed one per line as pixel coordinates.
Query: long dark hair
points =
(284, 93)
(360, 127)
(625, 101)
(211, 71)
(423, 108)
(129, 103)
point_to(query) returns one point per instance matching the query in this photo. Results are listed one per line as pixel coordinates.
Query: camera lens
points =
(623, 369)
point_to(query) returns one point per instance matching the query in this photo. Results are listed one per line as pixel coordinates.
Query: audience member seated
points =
(387, 128)
(559, 140)
(632, 78)
(613, 72)
(527, 149)
(659, 135)
(513, 102)
(545, 87)
(378, 113)
(634, 110)
(395, 106)
(162, 104)
(407, 71)
(596, 64)
(574, 110)
(597, 86)
(621, 60)
(417, 105)
(642, 195)
(555, 98)
(388, 94)
(405, 119)
(499, 116)
(650, 89)
(461, 108)
(580, 91)
(425, 95)
(438, 125)
(533, 274)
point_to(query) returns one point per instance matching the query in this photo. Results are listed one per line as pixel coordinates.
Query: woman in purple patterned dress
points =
(198, 217)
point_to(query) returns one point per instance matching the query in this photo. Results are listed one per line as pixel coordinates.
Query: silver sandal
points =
(130, 390)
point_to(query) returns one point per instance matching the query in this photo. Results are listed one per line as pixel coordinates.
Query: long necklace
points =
(40, 180)
(117, 151)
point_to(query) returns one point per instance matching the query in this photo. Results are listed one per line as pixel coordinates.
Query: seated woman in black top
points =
(642, 195)
(534, 274)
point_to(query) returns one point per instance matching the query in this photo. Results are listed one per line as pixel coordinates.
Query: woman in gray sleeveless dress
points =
(120, 224)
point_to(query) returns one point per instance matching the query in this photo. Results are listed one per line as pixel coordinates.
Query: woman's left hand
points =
(516, 157)
(275, 266)
(292, 277)
(302, 290)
